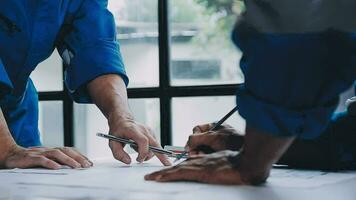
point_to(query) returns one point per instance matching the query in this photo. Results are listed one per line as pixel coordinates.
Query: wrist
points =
(117, 117)
(7, 148)
(249, 171)
(7, 143)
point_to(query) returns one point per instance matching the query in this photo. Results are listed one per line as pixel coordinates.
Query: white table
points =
(111, 180)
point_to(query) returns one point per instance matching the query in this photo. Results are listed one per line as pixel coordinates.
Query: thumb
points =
(202, 128)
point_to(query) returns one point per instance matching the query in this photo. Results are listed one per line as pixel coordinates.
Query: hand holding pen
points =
(205, 141)
(207, 128)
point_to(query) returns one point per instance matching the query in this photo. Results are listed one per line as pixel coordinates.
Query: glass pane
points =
(89, 120)
(48, 74)
(202, 53)
(189, 112)
(137, 29)
(51, 123)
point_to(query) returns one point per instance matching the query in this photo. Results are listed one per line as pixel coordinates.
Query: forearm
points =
(260, 152)
(109, 94)
(6, 141)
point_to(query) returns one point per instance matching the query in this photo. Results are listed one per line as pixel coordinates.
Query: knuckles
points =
(55, 151)
(66, 148)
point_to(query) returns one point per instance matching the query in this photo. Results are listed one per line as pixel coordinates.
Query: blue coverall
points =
(29, 33)
(298, 56)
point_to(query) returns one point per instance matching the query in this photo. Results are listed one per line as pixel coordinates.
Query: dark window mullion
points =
(184, 91)
(68, 111)
(68, 116)
(51, 96)
(164, 62)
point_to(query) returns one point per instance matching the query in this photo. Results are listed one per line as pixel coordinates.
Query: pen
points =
(134, 144)
(216, 125)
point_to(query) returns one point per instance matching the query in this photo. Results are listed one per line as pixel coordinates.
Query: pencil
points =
(134, 144)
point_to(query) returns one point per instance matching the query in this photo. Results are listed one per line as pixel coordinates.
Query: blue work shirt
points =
(298, 56)
(29, 32)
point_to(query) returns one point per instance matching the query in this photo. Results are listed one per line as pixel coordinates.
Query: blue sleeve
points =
(5, 82)
(292, 83)
(90, 49)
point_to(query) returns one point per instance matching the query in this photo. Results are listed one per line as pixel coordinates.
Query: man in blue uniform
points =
(298, 56)
(83, 31)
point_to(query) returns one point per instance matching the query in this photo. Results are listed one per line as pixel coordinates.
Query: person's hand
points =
(109, 94)
(51, 158)
(217, 168)
(139, 133)
(203, 141)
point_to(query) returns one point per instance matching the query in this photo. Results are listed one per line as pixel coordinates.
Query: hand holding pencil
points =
(216, 168)
(214, 126)
(205, 141)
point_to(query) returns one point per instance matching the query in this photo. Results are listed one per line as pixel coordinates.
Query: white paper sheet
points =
(112, 180)
(105, 180)
(4, 194)
(306, 179)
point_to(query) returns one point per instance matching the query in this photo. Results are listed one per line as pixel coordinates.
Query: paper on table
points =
(103, 180)
(306, 178)
(114, 180)
(4, 194)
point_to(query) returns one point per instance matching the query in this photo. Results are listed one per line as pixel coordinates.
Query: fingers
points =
(163, 158)
(75, 150)
(196, 153)
(51, 158)
(64, 155)
(135, 133)
(39, 161)
(31, 160)
(78, 157)
(181, 173)
(211, 141)
(215, 169)
(202, 128)
(119, 153)
(193, 141)
(156, 175)
(142, 143)
(150, 155)
(62, 158)
(149, 139)
(199, 139)
(143, 137)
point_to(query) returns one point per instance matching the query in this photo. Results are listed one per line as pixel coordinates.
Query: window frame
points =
(164, 92)
(68, 111)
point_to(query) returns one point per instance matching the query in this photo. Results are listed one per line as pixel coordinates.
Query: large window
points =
(182, 66)
(137, 28)
(201, 50)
